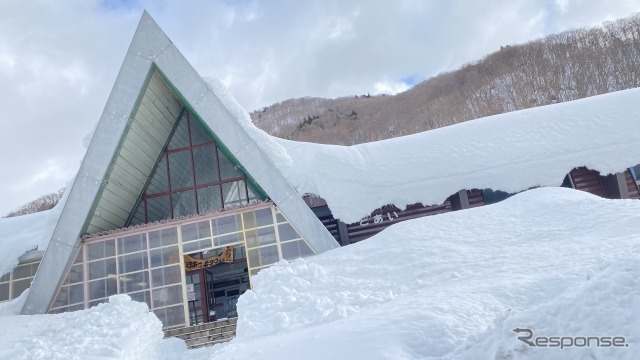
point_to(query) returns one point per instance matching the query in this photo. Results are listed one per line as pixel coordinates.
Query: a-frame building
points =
(174, 203)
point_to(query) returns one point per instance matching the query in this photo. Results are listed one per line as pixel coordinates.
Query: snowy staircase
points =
(205, 334)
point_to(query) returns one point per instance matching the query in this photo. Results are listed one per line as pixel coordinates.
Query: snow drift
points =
(452, 286)
(120, 329)
(558, 261)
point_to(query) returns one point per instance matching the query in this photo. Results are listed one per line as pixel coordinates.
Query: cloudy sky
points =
(59, 59)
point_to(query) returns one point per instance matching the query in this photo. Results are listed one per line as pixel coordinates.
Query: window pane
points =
(134, 282)
(263, 256)
(167, 296)
(262, 236)
(180, 136)
(209, 199)
(132, 243)
(102, 268)
(180, 170)
(287, 232)
(76, 293)
(234, 193)
(290, 250)
(257, 218)
(25, 271)
(158, 208)
(227, 224)
(75, 275)
(101, 249)
(79, 257)
(164, 256)
(159, 181)
(206, 165)
(238, 252)
(163, 237)
(143, 296)
(133, 262)
(184, 203)
(102, 288)
(227, 169)
(165, 276)
(4, 291)
(20, 286)
(196, 231)
(198, 133)
(228, 239)
(69, 295)
(196, 245)
(252, 193)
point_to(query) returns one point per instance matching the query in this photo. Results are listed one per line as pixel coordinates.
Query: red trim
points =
(171, 191)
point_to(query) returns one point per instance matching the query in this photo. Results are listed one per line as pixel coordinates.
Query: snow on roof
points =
(20, 234)
(510, 152)
(23, 233)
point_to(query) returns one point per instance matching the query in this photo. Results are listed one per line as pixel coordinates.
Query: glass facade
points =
(149, 266)
(18, 280)
(144, 265)
(192, 176)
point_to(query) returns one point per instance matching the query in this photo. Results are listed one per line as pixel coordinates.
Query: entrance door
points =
(226, 292)
(212, 293)
(197, 297)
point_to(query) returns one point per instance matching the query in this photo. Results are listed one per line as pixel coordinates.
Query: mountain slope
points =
(558, 68)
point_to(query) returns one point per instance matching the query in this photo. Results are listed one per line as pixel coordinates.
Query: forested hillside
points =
(44, 202)
(558, 68)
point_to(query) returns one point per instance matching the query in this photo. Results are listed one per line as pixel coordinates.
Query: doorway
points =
(212, 293)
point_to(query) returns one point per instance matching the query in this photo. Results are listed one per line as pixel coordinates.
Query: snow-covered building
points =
(171, 188)
(180, 200)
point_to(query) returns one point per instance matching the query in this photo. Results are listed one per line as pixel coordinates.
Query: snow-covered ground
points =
(557, 261)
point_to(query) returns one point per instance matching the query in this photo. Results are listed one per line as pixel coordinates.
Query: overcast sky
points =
(59, 59)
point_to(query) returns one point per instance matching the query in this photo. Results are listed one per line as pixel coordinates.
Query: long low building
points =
(180, 200)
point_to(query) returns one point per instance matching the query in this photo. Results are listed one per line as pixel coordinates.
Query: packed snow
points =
(453, 286)
(120, 329)
(509, 152)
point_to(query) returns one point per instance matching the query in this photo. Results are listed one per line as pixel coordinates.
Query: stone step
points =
(205, 334)
(196, 328)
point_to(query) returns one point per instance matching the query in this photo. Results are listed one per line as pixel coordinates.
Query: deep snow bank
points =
(606, 305)
(120, 329)
(453, 285)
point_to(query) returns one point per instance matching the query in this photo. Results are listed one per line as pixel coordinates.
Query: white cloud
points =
(389, 88)
(58, 60)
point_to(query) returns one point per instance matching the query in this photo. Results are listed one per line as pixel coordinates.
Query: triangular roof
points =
(154, 83)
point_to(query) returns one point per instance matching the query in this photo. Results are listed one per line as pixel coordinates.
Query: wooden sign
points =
(196, 264)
